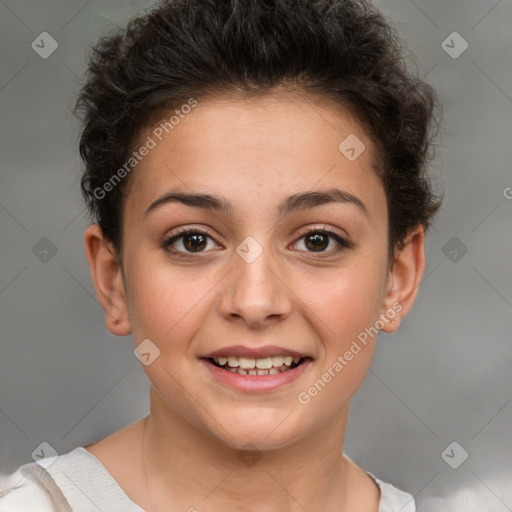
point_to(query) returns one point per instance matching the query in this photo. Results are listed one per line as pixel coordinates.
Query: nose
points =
(254, 293)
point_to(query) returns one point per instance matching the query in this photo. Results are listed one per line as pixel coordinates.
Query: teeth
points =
(254, 371)
(278, 361)
(246, 363)
(233, 361)
(263, 366)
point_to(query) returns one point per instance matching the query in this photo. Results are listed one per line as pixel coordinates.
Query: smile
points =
(256, 367)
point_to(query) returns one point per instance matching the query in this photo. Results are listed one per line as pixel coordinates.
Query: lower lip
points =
(255, 383)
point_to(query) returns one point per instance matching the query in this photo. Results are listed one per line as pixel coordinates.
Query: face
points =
(255, 261)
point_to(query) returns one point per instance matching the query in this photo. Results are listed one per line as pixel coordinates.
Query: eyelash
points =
(343, 242)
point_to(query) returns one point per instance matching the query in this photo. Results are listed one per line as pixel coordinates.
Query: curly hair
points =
(345, 51)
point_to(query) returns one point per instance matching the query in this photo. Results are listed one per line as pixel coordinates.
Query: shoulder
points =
(67, 482)
(387, 497)
(32, 488)
(393, 499)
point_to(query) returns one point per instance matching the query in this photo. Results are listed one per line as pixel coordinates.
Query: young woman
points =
(255, 170)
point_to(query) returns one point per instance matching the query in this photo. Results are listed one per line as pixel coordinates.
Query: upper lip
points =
(254, 353)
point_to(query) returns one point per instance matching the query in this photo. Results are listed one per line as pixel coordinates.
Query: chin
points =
(257, 430)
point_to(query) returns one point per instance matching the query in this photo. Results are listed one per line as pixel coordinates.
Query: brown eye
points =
(194, 243)
(322, 240)
(188, 241)
(317, 242)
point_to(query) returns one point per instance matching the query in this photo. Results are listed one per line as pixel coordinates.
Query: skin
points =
(254, 153)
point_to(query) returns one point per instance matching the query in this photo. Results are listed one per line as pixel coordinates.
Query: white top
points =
(78, 482)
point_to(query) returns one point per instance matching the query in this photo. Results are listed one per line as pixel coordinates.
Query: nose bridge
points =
(254, 291)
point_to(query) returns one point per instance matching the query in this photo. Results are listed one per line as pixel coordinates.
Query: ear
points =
(403, 281)
(107, 277)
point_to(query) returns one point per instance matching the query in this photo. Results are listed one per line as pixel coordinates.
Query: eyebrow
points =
(311, 199)
(299, 201)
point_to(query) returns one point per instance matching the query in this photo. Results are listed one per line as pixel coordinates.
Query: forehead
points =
(257, 147)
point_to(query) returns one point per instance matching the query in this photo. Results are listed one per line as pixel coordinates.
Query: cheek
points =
(164, 301)
(345, 302)
(345, 311)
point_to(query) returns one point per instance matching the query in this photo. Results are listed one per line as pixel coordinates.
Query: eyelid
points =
(176, 232)
(179, 233)
(342, 240)
(324, 228)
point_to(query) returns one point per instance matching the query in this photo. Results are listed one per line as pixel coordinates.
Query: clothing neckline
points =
(109, 489)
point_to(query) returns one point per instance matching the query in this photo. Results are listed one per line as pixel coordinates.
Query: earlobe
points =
(107, 279)
(404, 279)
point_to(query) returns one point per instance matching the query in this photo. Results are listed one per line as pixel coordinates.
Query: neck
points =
(188, 469)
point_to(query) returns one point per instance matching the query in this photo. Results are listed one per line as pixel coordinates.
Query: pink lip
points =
(256, 383)
(253, 353)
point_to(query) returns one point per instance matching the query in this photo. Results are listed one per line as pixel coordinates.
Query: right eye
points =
(188, 240)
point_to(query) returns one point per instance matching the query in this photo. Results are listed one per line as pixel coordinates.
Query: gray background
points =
(445, 376)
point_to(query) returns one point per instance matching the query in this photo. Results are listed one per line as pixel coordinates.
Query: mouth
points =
(256, 369)
(271, 365)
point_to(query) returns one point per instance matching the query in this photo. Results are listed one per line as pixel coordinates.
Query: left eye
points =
(320, 241)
